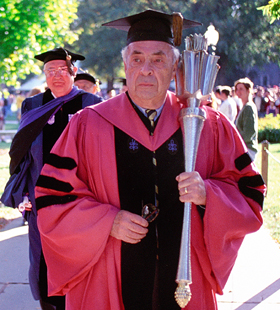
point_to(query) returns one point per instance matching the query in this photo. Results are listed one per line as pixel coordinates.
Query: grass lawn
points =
(271, 209)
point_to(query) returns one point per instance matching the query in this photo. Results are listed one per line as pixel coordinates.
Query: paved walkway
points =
(254, 282)
(15, 293)
(255, 279)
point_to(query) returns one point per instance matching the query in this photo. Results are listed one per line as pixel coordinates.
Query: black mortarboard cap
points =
(58, 53)
(152, 25)
(85, 76)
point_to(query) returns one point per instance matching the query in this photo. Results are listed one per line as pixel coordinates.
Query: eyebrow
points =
(159, 53)
(54, 67)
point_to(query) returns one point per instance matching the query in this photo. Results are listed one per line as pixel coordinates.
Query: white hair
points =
(175, 51)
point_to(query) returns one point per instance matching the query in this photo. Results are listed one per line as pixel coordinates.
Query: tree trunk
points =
(222, 74)
(110, 83)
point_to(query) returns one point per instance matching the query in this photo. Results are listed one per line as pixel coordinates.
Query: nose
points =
(147, 68)
(58, 72)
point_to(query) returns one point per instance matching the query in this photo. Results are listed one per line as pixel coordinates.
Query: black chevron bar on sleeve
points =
(61, 162)
(52, 183)
(45, 201)
(242, 161)
(247, 186)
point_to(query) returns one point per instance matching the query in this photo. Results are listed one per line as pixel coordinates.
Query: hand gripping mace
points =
(195, 78)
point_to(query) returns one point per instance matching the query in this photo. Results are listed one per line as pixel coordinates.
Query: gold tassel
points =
(177, 24)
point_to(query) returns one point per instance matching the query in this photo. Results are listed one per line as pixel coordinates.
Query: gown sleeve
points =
(235, 192)
(81, 214)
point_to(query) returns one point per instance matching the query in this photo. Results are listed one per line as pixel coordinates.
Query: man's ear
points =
(75, 69)
(125, 66)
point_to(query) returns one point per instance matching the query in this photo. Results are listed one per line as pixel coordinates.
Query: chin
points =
(60, 93)
(146, 94)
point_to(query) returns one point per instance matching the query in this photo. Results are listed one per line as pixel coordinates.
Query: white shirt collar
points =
(144, 110)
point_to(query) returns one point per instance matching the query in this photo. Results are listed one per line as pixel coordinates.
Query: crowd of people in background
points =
(6, 100)
(244, 104)
(266, 99)
(259, 101)
(223, 99)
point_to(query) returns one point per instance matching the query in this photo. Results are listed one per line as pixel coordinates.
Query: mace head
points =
(196, 43)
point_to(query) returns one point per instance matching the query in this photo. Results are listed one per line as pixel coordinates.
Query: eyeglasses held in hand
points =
(150, 212)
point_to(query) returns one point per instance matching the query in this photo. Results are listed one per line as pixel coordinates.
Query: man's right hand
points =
(129, 227)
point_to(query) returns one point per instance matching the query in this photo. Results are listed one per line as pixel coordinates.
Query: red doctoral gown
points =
(84, 260)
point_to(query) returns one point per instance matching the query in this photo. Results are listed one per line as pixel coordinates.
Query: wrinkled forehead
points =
(55, 63)
(150, 47)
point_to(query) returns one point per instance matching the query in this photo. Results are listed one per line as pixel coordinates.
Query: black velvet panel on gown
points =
(136, 177)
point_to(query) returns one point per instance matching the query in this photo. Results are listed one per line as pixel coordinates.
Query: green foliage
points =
(29, 27)
(269, 129)
(272, 9)
(245, 35)
(102, 45)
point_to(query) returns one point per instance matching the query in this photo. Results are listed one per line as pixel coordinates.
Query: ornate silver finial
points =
(196, 72)
(196, 43)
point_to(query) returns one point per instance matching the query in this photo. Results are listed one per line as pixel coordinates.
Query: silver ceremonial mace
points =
(195, 79)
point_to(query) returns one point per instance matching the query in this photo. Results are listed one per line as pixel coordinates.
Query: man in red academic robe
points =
(112, 161)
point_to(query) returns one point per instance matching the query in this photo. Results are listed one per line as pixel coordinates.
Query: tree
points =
(29, 27)
(272, 9)
(245, 35)
(102, 45)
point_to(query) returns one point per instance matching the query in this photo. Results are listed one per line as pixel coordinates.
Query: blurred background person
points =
(34, 91)
(124, 87)
(88, 83)
(277, 102)
(271, 109)
(2, 115)
(19, 99)
(211, 102)
(260, 101)
(7, 102)
(237, 100)
(268, 97)
(247, 120)
(111, 93)
(217, 93)
(228, 105)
